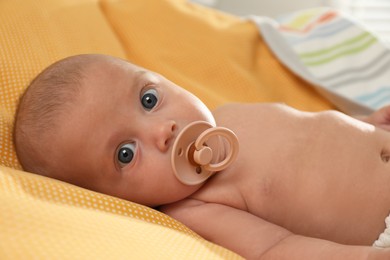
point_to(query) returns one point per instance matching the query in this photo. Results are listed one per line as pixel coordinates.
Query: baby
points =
(304, 185)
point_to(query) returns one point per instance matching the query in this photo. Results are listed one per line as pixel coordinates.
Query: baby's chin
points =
(177, 194)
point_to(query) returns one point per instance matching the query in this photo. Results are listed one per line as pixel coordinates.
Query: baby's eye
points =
(149, 99)
(125, 154)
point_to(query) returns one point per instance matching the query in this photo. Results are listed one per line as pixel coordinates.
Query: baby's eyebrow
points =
(143, 73)
(139, 74)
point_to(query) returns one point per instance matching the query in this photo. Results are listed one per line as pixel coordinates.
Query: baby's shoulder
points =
(234, 111)
(232, 107)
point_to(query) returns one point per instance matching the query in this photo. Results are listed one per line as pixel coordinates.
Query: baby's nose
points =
(164, 133)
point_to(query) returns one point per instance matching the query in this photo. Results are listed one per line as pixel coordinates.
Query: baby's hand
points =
(380, 118)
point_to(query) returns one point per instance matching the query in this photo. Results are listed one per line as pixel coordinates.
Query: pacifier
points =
(192, 159)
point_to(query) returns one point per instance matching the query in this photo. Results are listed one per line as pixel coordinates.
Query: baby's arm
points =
(380, 118)
(255, 238)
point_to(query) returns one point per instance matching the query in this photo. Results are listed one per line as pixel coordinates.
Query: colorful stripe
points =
(349, 72)
(378, 98)
(322, 32)
(365, 78)
(300, 21)
(345, 51)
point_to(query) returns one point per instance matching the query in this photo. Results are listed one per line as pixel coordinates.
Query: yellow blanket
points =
(218, 57)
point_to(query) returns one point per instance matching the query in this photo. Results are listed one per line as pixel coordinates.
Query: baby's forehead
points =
(116, 68)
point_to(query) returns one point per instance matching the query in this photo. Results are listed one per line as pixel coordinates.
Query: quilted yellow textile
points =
(217, 56)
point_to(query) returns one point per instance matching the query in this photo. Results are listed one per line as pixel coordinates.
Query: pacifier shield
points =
(183, 164)
(191, 157)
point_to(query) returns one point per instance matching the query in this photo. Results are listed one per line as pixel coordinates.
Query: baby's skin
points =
(304, 185)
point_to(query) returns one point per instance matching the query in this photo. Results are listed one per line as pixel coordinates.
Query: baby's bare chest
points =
(308, 174)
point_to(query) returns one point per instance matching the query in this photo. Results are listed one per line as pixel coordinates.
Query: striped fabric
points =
(347, 62)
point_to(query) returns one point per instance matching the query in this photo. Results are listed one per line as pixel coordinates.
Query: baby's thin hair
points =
(47, 98)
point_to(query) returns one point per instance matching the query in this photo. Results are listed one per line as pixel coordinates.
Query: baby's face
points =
(118, 137)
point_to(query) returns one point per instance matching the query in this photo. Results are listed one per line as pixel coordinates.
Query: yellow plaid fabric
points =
(218, 57)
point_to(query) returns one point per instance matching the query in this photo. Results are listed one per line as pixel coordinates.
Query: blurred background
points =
(374, 13)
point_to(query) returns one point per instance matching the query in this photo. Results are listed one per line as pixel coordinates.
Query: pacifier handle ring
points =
(229, 136)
